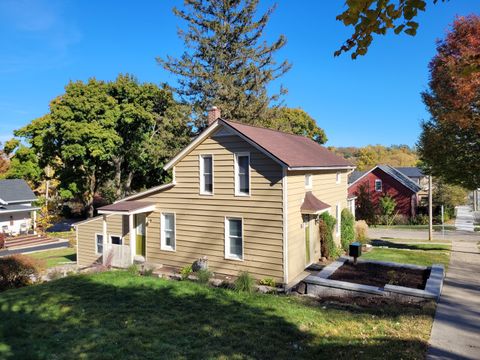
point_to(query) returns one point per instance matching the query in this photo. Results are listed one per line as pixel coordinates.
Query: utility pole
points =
(430, 212)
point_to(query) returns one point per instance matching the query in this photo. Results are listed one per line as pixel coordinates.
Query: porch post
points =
(34, 219)
(105, 240)
(132, 237)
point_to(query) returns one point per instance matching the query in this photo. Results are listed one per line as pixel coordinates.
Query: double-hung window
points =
(206, 174)
(99, 243)
(338, 178)
(167, 241)
(378, 185)
(234, 238)
(242, 174)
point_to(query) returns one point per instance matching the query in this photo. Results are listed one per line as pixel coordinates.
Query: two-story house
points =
(17, 214)
(246, 197)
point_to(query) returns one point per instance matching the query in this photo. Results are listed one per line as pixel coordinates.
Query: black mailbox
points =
(355, 249)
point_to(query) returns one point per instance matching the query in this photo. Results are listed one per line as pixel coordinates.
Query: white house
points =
(17, 215)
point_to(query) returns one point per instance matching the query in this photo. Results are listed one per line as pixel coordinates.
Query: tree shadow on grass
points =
(85, 318)
(404, 246)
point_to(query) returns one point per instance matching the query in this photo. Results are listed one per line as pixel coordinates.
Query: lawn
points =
(409, 253)
(56, 257)
(117, 315)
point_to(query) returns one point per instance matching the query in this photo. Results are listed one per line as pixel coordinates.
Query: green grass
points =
(414, 227)
(61, 234)
(116, 315)
(56, 257)
(410, 253)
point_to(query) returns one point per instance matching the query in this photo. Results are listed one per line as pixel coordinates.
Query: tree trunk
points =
(128, 183)
(90, 194)
(117, 180)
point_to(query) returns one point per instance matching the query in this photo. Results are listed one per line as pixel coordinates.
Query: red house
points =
(386, 180)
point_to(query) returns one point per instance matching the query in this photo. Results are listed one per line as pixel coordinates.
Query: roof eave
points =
(333, 167)
(145, 209)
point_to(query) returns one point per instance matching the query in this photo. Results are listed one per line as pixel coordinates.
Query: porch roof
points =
(312, 205)
(127, 208)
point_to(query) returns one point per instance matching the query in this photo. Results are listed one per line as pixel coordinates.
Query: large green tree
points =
(23, 163)
(449, 145)
(115, 134)
(226, 64)
(377, 17)
(295, 121)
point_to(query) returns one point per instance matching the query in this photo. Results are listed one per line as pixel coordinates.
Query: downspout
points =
(285, 224)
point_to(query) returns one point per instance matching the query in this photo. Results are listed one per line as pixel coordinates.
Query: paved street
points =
(52, 246)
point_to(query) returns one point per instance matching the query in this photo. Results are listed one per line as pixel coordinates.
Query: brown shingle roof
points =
(292, 150)
(311, 204)
(126, 206)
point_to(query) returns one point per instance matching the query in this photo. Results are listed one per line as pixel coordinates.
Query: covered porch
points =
(18, 219)
(122, 250)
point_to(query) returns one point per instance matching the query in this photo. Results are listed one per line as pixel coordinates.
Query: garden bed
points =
(375, 274)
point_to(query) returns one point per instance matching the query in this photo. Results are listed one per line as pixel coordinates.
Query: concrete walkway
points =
(456, 328)
(464, 219)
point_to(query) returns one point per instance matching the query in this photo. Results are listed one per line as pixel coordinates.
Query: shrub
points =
(326, 225)
(186, 271)
(133, 269)
(400, 219)
(245, 282)
(365, 209)
(420, 219)
(268, 282)
(361, 231)
(347, 231)
(18, 270)
(2, 241)
(203, 276)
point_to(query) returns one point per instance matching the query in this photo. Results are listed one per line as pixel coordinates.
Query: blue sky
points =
(372, 100)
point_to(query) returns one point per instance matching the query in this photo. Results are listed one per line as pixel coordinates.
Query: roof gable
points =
(394, 173)
(292, 151)
(15, 191)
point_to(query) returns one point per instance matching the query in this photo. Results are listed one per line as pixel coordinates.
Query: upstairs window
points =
(378, 185)
(206, 174)
(339, 178)
(242, 174)
(233, 238)
(167, 241)
(308, 181)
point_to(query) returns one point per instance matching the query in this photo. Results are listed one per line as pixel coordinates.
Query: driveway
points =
(464, 219)
(456, 328)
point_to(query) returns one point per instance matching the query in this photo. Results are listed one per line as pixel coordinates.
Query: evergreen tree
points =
(226, 63)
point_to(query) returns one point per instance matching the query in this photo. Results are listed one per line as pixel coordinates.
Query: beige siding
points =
(86, 254)
(324, 188)
(200, 219)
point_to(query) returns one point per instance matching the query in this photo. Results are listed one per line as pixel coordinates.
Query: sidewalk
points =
(456, 328)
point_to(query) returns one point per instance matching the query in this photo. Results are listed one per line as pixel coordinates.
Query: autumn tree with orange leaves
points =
(449, 145)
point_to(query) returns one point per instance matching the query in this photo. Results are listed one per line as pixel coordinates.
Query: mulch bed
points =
(380, 275)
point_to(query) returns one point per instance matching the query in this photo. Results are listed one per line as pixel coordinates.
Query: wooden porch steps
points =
(26, 241)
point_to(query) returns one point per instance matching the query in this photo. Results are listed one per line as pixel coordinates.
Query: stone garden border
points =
(321, 285)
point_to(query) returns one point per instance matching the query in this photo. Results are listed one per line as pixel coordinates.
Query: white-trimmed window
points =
(339, 178)
(242, 174)
(338, 215)
(308, 181)
(116, 240)
(206, 174)
(99, 243)
(234, 238)
(167, 241)
(378, 185)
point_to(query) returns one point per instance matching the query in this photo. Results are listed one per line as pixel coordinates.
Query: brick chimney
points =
(213, 114)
